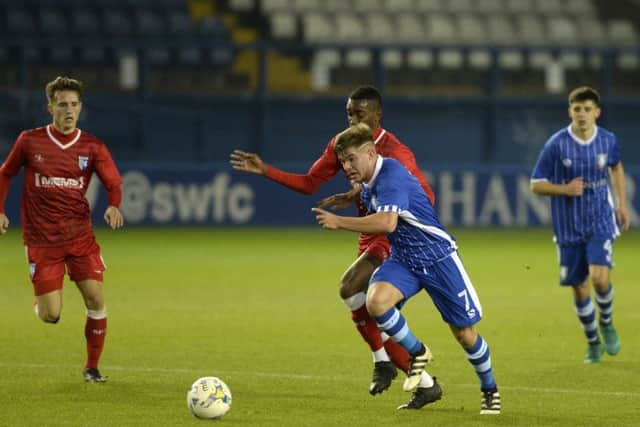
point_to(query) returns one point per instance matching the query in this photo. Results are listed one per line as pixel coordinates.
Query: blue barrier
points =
(215, 195)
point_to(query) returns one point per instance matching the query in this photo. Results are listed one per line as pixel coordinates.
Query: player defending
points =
(59, 160)
(574, 168)
(363, 106)
(423, 256)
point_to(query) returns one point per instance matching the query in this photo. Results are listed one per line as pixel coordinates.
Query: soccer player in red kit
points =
(58, 161)
(364, 105)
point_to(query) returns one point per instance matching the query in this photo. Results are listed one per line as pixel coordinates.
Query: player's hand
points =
(624, 220)
(247, 162)
(113, 217)
(4, 223)
(326, 219)
(575, 187)
(341, 200)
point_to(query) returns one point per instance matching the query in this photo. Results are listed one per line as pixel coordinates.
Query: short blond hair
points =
(353, 137)
(63, 83)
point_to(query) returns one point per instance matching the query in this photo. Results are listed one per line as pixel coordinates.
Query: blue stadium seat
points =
(20, 21)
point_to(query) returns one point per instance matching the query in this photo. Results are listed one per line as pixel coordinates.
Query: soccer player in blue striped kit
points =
(574, 168)
(423, 256)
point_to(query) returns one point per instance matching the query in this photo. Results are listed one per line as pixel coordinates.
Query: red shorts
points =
(377, 246)
(47, 264)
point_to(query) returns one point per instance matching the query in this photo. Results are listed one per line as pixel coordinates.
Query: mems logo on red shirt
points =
(53, 181)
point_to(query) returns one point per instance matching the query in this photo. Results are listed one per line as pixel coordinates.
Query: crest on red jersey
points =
(83, 162)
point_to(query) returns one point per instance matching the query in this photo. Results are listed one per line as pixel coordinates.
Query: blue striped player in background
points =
(574, 168)
(423, 256)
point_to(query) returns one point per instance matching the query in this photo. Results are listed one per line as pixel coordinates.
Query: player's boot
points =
(423, 396)
(594, 352)
(383, 374)
(490, 403)
(92, 375)
(417, 364)
(611, 339)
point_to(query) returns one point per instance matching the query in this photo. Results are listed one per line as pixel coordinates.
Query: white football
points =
(209, 397)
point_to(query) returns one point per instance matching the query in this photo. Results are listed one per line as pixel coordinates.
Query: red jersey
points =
(58, 169)
(328, 165)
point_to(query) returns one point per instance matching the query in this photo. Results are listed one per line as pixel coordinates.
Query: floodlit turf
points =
(260, 309)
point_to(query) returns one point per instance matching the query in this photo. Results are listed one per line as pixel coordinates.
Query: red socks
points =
(95, 331)
(398, 355)
(367, 327)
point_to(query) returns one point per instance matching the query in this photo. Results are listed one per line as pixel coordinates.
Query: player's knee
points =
(376, 304)
(600, 281)
(351, 285)
(49, 317)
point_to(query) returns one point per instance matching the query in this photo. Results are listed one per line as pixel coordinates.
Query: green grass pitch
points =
(260, 309)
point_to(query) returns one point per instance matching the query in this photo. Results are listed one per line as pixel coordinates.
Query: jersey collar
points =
(582, 141)
(378, 134)
(61, 140)
(376, 171)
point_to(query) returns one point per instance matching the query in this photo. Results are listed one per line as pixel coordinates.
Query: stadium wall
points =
(215, 195)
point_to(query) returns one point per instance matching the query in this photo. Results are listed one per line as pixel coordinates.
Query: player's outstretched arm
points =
(113, 217)
(4, 223)
(247, 162)
(377, 223)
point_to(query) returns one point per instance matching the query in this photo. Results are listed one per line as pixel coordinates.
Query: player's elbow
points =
(389, 222)
(535, 187)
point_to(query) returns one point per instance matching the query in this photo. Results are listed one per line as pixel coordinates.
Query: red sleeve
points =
(10, 168)
(404, 155)
(109, 176)
(322, 170)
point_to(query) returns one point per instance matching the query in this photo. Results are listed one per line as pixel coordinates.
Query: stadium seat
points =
(561, 30)
(580, 7)
(303, 6)
(349, 28)
(241, 5)
(592, 31)
(367, 6)
(429, 6)
(500, 29)
(20, 20)
(179, 23)
(549, 7)
(336, 6)
(398, 6)
(440, 28)
(409, 28)
(85, 22)
(459, 6)
(490, 7)
(379, 28)
(519, 6)
(392, 59)
(269, 6)
(530, 29)
(620, 32)
(117, 22)
(317, 27)
(283, 25)
(479, 59)
(149, 23)
(323, 62)
(471, 28)
(52, 21)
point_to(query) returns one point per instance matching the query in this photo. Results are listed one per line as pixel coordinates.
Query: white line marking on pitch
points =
(313, 377)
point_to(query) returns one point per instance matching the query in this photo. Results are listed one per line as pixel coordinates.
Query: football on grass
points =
(209, 397)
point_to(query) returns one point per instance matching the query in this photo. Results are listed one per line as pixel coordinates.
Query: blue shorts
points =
(446, 282)
(575, 259)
